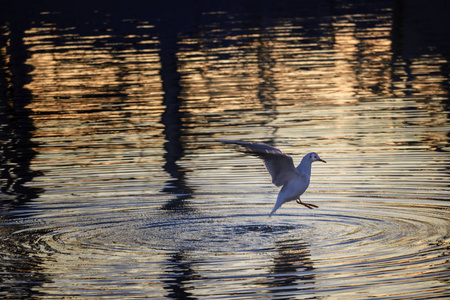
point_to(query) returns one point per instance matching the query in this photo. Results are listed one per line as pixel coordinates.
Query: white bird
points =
(294, 180)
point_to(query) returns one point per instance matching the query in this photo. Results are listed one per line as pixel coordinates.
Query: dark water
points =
(113, 185)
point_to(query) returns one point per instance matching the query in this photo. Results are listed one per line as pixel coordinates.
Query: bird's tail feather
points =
(276, 207)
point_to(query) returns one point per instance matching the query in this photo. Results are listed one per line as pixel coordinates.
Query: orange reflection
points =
(337, 86)
(83, 90)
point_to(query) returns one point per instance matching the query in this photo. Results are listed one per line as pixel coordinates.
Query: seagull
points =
(294, 180)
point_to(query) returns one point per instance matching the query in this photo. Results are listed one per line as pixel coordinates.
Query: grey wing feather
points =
(280, 166)
(254, 147)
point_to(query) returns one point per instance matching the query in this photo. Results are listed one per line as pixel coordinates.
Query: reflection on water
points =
(180, 274)
(113, 184)
(17, 126)
(293, 270)
(172, 119)
(20, 266)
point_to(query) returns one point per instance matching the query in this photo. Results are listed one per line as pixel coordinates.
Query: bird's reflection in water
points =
(180, 273)
(293, 270)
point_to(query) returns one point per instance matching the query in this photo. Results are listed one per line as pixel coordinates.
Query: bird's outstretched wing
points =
(280, 166)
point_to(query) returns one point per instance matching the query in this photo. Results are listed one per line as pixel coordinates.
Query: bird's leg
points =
(308, 205)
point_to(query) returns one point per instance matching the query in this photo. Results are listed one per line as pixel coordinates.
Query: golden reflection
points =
(345, 82)
(84, 91)
(96, 111)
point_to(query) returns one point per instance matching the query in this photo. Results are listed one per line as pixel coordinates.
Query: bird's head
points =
(313, 156)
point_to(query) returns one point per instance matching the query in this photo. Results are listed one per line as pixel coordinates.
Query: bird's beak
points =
(322, 160)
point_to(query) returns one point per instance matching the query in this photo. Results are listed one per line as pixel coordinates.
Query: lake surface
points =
(114, 186)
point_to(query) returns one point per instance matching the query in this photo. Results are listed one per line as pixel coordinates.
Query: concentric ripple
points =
(348, 246)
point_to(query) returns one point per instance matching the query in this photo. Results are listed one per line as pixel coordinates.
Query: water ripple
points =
(361, 245)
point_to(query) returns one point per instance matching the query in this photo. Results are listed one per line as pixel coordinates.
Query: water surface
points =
(114, 186)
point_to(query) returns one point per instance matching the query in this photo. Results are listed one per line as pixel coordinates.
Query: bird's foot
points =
(308, 205)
